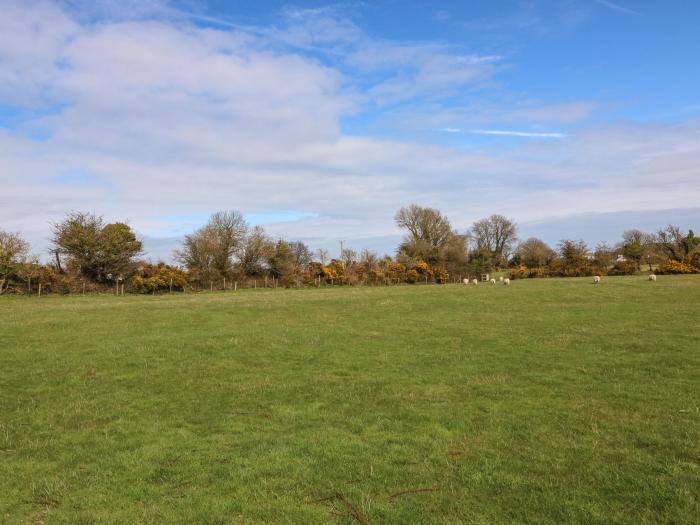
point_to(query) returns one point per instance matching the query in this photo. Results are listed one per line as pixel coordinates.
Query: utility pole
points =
(341, 249)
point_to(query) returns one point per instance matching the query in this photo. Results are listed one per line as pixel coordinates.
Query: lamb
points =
(652, 277)
(596, 279)
(506, 281)
(475, 282)
(493, 281)
(465, 281)
(500, 278)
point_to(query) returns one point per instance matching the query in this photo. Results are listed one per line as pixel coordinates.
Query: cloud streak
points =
(616, 7)
(508, 133)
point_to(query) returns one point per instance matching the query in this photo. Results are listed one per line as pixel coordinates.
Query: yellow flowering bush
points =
(672, 267)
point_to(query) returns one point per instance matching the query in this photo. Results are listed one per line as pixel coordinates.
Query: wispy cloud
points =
(617, 7)
(509, 133)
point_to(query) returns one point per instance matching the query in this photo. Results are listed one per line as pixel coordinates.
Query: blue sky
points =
(319, 120)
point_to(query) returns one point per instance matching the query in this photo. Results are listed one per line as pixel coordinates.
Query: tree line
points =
(88, 254)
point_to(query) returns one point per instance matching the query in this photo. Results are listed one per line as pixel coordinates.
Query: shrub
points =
(676, 267)
(519, 272)
(412, 276)
(422, 268)
(537, 272)
(150, 278)
(623, 268)
(441, 275)
(694, 260)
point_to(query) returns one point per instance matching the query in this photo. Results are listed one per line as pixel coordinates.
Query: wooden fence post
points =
(235, 286)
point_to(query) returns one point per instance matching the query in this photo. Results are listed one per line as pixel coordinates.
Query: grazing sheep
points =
(596, 279)
(465, 281)
(500, 278)
(475, 282)
(493, 281)
(506, 281)
(652, 277)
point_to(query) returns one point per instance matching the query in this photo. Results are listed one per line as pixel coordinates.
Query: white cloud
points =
(167, 118)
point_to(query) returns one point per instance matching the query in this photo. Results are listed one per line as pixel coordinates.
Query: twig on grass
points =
(350, 509)
(413, 491)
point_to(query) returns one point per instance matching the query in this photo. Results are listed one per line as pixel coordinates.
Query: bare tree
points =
(348, 256)
(254, 252)
(301, 254)
(675, 244)
(424, 224)
(497, 234)
(322, 255)
(535, 253)
(209, 252)
(228, 230)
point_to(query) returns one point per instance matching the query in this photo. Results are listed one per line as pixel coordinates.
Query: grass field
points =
(549, 401)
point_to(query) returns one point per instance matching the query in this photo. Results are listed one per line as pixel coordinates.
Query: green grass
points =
(549, 401)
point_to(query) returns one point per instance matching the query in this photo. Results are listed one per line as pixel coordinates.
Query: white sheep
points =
(493, 281)
(465, 281)
(506, 281)
(596, 279)
(500, 278)
(475, 282)
(652, 277)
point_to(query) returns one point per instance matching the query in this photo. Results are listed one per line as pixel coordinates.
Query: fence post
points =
(83, 287)
(29, 289)
(171, 285)
(235, 286)
(224, 284)
(39, 288)
(211, 286)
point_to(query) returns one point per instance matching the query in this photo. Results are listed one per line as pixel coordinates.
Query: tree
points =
(301, 254)
(424, 224)
(227, 230)
(428, 232)
(322, 255)
(282, 262)
(454, 255)
(675, 244)
(497, 234)
(368, 266)
(535, 253)
(604, 256)
(636, 246)
(94, 249)
(574, 258)
(209, 252)
(254, 252)
(14, 252)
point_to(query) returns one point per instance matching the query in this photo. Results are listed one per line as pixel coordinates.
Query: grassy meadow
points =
(548, 401)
